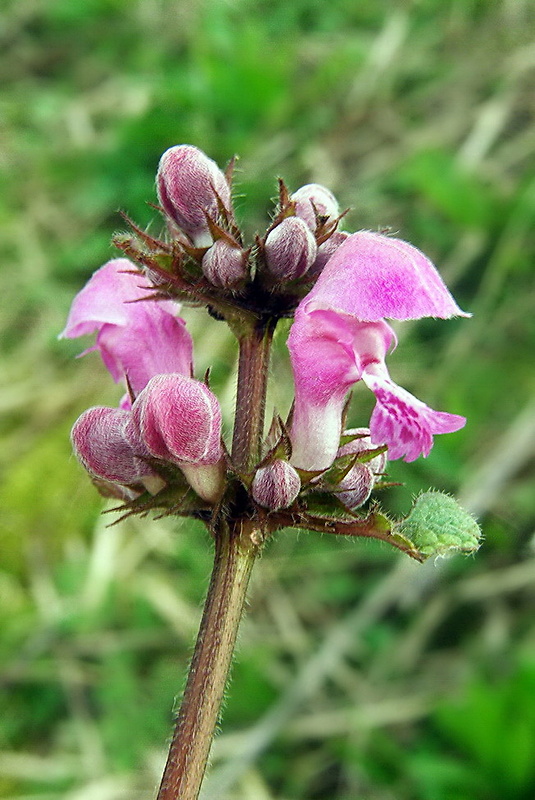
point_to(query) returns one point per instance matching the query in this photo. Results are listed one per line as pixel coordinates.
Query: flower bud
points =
(378, 463)
(314, 196)
(326, 250)
(224, 265)
(290, 249)
(189, 184)
(276, 485)
(179, 420)
(100, 443)
(356, 486)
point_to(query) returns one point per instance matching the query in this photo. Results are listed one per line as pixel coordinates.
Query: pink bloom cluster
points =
(350, 285)
(173, 417)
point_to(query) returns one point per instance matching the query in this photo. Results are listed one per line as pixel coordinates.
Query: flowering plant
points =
(162, 447)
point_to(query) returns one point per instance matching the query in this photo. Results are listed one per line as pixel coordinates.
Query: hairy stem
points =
(237, 543)
(255, 347)
(234, 557)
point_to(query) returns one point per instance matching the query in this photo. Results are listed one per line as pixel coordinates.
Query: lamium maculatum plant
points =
(162, 447)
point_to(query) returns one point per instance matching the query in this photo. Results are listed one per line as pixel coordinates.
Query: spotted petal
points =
(403, 422)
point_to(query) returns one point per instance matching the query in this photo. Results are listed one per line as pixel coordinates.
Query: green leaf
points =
(437, 525)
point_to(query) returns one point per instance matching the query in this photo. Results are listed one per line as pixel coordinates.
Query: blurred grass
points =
(357, 676)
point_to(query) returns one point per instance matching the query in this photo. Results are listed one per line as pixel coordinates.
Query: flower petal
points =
(104, 297)
(372, 277)
(137, 336)
(329, 352)
(152, 343)
(403, 422)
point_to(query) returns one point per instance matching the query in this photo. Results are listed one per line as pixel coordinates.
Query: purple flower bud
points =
(276, 485)
(179, 420)
(378, 463)
(290, 249)
(188, 185)
(326, 250)
(355, 488)
(100, 443)
(311, 196)
(224, 265)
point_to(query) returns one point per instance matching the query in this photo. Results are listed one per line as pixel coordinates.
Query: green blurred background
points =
(359, 675)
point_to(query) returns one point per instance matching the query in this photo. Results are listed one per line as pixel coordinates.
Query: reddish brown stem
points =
(236, 546)
(253, 369)
(197, 719)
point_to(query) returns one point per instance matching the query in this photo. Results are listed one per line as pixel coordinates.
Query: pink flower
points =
(340, 337)
(327, 250)
(372, 277)
(137, 337)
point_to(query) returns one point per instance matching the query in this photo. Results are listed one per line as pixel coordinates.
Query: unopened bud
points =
(276, 485)
(102, 446)
(314, 196)
(363, 442)
(179, 420)
(224, 265)
(326, 250)
(189, 184)
(356, 486)
(290, 249)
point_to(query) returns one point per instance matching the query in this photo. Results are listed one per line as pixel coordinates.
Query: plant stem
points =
(255, 347)
(237, 543)
(234, 557)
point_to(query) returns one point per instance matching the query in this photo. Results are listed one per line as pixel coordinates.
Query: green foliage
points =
(437, 526)
(418, 116)
(499, 742)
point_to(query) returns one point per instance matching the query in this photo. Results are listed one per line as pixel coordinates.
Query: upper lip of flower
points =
(137, 336)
